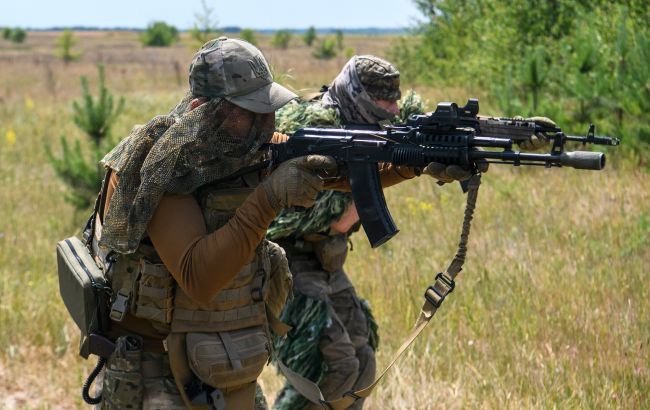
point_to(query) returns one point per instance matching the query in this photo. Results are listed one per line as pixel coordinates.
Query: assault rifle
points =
(517, 129)
(450, 135)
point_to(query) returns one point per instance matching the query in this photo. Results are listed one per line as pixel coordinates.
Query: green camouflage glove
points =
(296, 182)
(538, 140)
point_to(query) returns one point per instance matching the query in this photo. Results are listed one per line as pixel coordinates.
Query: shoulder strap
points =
(102, 194)
(98, 209)
(433, 298)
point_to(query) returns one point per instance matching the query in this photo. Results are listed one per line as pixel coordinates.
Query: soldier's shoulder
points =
(300, 114)
(411, 103)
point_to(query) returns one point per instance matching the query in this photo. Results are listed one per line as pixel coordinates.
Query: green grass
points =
(551, 310)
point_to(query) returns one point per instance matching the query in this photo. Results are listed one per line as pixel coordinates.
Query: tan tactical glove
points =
(538, 140)
(444, 173)
(296, 182)
(451, 173)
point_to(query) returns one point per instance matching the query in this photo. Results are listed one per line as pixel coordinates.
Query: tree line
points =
(576, 61)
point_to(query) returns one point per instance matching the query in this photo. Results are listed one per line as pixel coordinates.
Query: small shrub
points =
(77, 167)
(248, 35)
(310, 36)
(339, 39)
(205, 25)
(159, 34)
(6, 33)
(96, 117)
(64, 44)
(325, 49)
(18, 35)
(281, 39)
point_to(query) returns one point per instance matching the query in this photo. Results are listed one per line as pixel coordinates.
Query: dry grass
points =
(551, 310)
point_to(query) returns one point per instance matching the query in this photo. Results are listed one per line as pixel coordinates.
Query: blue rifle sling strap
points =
(434, 296)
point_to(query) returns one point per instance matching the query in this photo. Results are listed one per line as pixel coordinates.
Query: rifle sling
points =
(434, 296)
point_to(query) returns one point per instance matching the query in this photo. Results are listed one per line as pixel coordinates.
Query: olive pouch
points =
(83, 288)
(228, 359)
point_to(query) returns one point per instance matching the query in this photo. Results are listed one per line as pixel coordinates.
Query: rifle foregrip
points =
(583, 160)
(371, 203)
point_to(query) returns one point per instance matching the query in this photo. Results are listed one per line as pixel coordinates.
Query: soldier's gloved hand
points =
(446, 173)
(451, 173)
(296, 182)
(538, 140)
(279, 138)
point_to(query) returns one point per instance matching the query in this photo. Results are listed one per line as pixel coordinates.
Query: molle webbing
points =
(240, 305)
(218, 321)
(148, 290)
(219, 206)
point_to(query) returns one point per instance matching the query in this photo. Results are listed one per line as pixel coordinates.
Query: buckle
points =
(450, 283)
(119, 307)
(256, 294)
(218, 401)
(435, 296)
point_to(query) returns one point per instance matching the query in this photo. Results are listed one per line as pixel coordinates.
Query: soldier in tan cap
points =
(180, 231)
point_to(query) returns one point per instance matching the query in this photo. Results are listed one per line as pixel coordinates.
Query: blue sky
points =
(256, 14)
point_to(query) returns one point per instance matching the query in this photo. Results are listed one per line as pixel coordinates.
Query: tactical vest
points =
(228, 340)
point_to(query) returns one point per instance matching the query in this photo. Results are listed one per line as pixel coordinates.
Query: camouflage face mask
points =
(177, 153)
(353, 102)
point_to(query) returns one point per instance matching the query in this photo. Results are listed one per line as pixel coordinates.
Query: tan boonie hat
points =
(237, 71)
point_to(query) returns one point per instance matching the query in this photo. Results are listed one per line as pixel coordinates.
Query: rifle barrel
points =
(575, 159)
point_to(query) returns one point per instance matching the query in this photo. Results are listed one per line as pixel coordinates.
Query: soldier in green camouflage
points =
(334, 335)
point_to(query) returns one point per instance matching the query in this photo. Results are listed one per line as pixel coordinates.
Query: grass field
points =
(552, 309)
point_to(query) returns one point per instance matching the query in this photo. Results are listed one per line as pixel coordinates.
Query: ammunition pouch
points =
(123, 386)
(153, 294)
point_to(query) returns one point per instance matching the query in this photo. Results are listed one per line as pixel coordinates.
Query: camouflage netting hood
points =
(177, 153)
(363, 80)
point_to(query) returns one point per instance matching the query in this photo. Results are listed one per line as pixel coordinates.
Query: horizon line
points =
(219, 29)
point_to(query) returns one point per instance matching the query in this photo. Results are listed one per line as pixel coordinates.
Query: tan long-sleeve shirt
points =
(202, 262)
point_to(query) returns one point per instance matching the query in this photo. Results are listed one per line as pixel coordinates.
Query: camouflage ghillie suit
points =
(334, 336)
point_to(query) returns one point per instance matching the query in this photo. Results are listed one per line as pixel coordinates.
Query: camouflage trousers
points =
(345, 343)
(143, 380)
(124, 386)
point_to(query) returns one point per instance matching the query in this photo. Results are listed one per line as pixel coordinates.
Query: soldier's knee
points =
(348, 366)
(340, 377)
(366, 355)
(367, 367)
